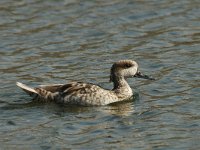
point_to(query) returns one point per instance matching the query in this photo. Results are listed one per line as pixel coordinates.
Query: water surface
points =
(60, 41)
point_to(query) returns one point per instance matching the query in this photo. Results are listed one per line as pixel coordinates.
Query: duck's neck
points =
(120, 84)
(121, 88)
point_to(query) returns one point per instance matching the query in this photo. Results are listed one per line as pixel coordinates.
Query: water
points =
(58, 41)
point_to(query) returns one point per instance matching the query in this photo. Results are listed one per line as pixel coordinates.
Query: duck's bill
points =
(140, 75)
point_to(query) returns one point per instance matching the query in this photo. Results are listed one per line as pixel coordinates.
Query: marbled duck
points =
(88, 94)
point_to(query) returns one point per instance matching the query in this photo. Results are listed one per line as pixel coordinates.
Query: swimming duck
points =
(89, 94)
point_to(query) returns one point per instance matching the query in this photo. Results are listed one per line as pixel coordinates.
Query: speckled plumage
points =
(88, 94)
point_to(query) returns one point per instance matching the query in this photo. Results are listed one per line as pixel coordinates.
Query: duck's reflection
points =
(125, 108)
(120, 109)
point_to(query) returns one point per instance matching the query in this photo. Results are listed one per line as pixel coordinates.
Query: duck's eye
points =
(128, 65)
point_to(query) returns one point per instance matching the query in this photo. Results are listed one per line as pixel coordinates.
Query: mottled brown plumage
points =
(88, 94)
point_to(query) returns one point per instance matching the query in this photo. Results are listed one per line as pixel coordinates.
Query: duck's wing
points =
(74, 93)
(51, 87)
(86, 94)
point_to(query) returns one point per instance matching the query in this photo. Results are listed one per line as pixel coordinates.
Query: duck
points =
(89, 94)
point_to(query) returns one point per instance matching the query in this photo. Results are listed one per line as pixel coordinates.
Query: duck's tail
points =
(39, 93)
(30, 91)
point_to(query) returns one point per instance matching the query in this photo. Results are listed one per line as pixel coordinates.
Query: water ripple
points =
(59, 41)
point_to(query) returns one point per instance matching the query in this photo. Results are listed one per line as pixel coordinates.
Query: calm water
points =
(57, 41)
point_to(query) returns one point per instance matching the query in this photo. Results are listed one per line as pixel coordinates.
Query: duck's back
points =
(85, 94)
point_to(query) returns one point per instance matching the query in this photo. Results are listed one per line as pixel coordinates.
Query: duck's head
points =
(126, 69)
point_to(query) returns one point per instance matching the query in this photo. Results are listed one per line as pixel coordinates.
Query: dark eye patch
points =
(128, 65)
